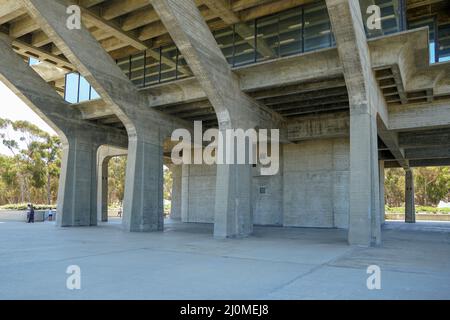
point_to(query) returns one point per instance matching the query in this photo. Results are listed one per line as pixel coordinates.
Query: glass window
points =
(33, 61)
(85, 87)
(391, 17)
(71, 88)
(137, 69)
(169, 63)
(124, 65)
(291, 29)
(267, 38)
(317, 33)
(94, 94)
(152, 67)
(244, 41)
(444, 42)
(225, 39)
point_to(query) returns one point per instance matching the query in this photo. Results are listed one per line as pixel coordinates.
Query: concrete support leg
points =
(103, 190)
(185, 193)
(175, 211)
(77, 195)
(410, 211)
(233, 210)
(143, 202)
(364, 216)
(382, 189)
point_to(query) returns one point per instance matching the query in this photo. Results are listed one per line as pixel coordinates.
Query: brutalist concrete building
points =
(354, 86)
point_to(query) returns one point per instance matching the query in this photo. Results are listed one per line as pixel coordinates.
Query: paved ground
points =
(185, 262)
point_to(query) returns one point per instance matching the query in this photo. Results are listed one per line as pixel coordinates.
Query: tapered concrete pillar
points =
(382, 191)
(233, 207)
(410, 210)
(103, 183)
(175, 210)
(234, 109)
(77, 193)
(143, 202)
(365, 100)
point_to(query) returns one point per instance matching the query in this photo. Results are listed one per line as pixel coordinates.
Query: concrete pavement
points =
(185, 262)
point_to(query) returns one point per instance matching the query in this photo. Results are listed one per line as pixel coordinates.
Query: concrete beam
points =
(420, 116)
(425, 138)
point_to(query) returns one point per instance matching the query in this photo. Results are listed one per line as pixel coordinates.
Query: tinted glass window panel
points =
(391, 17)
(317, 33)
(94, 94)
(267, 40)
(137, 70)
(444, 42)
(152, 67)
(169, 63)
(290, 29)
(224, 39)
(85, 88)
(124, 65)
(71, 89)
(244, 34)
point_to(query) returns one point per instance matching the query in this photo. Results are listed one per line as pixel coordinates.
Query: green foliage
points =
(31, 174)
(394, 185)
(419, 209)
(24, 206)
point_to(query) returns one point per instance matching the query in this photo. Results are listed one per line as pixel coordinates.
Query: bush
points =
(24, 206)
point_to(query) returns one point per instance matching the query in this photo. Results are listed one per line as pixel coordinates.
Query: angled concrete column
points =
(185, 193)
(77, 192)
(77, 195)
(382, 191)
(233, 196)
(175, 211)
(364, 216)
(103, 192)
(410, 211)
(234, 108)
(144, 196)
(146, 127)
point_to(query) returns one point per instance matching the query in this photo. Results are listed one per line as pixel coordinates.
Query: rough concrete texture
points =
(310, 190)
(80, 139)
(366, 104)
(316, 175)
(185, 262)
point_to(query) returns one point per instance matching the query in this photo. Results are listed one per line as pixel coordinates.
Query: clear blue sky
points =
(11, 107)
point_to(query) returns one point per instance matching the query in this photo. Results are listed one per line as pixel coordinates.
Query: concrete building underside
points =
(346, 110)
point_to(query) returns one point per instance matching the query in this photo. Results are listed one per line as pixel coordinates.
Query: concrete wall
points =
(315, 185)
(198, 193)
(310, 190)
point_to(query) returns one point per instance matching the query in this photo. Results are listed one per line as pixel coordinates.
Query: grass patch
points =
(24, 206)
(419, 209)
